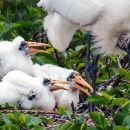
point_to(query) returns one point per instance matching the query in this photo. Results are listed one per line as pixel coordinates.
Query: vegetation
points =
(113, 77)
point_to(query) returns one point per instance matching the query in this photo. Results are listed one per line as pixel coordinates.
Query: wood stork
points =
(15, 55)
(28, 90)
(107, 20)
(77, 83)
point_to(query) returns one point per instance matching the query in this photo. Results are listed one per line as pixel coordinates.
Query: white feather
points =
(107, 19)
(62, 97)
(17, 84)
(59, 30)
(13, 59)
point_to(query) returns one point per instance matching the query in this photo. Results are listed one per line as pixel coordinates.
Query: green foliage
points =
(78, 123)
(19, 121)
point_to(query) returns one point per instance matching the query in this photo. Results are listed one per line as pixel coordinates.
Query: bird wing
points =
(82, 12)
(65, 17)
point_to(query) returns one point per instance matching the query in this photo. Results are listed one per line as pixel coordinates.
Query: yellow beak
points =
(37, 44)
(81, 84)
(56, 87)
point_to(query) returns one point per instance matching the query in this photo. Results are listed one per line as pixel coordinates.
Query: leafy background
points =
(19, 17)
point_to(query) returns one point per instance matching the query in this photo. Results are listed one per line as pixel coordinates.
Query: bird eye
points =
(23, 46)
(72, 76)
(46, 81)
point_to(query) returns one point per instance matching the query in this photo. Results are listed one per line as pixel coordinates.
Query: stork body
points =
(11, 58)
(15, 55)
(30, 92)
(62, 97)
(107, 20)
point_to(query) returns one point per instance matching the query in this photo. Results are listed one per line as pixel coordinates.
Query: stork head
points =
(79, 83)
(124, 42)
(52, 84)
(24, 47)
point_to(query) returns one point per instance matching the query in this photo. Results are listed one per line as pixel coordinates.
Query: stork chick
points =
(30, 92)
(15, 55)
(76, 83)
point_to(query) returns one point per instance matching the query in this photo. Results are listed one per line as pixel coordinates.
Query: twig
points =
(57, 57)
(108, 81)
(107, 67)
(99, 110)
(29, 111)
(117, 112)
(35, 35)
(72, 106)
(119, 77)
(118, 61)
(83, 53)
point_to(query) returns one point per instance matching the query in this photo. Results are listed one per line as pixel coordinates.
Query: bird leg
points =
(88, 66)
(94, 72)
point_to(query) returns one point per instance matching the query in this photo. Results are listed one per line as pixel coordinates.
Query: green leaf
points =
(120, 128)
(122, 71)
(92, 128)
(119, 119)
(119, 101)
(6, 118)
(13, 103)
(2, 122)
(28, 23)
(104, 94)
(99, 120)
(113, 58)
(69, 112)
(125, 109)
(78, 48)
(75, 39)
(2, 26)
(65, 126)
(126, 122)
(2, 18)
(97, 99)
(80, 65)
(83, 126)
(37, 127)
(10, 127)
(61, 110)
(34, 121)
(81, 118)
(47, 120)
(10, 12)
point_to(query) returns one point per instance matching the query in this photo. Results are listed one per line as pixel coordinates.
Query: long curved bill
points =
(81, 84)
(32, 44)
(56, 87)
(37, 44)
(34, 51)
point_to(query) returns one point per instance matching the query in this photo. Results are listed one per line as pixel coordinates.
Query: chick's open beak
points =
(56, 87)
(37, 44)
(81, 84)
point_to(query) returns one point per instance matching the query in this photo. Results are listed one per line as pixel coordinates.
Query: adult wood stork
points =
(107, 20)
(15, 55)
(77, 83)
(28, 90)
